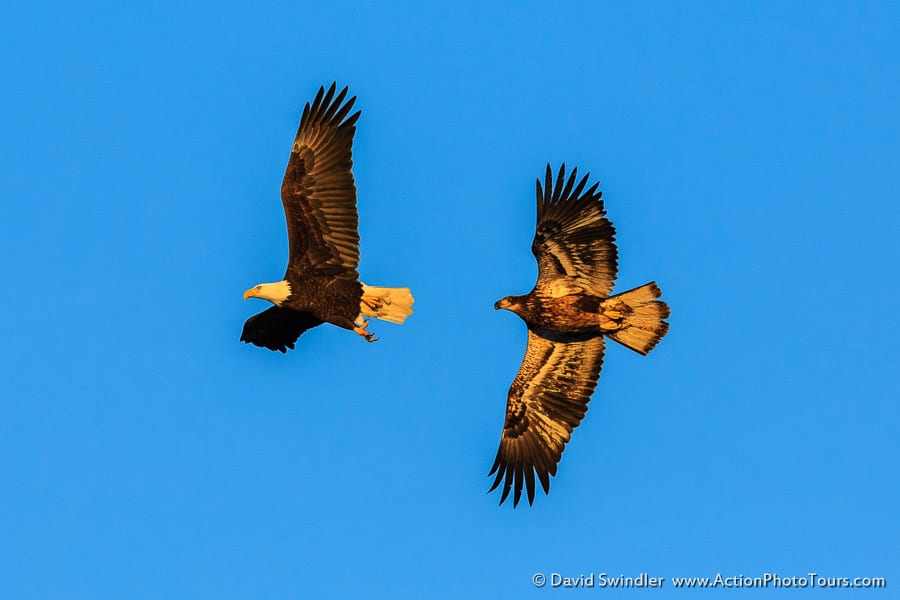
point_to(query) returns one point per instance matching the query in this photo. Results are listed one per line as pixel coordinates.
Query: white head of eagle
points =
(276, 292)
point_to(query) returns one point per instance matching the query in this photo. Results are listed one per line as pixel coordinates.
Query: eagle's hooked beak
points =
(501, 303)
(251, 293)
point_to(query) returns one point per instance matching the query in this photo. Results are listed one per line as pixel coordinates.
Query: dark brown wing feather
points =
(277, 328)
(318, 192)
(547, 400)
(574, 243)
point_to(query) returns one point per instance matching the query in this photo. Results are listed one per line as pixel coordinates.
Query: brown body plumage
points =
(568, 313)
(333, 300)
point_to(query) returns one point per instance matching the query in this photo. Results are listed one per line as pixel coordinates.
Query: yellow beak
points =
(250, 293)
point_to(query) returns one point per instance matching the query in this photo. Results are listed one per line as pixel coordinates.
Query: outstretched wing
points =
(318, 192)
(277, 328)
(574, 242)
(547, 400)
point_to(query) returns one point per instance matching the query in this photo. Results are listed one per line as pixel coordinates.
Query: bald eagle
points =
(321, 283)
(568, 313)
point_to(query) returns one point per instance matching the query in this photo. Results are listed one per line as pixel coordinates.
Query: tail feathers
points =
(385, 303)
(639, 316)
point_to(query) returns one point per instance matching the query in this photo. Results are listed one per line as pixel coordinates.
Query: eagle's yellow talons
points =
(361, 330)
(372, 302)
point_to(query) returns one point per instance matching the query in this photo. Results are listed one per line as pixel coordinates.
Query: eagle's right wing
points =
(277, 328)
(574, 242)
(547, 400)
(318, 191)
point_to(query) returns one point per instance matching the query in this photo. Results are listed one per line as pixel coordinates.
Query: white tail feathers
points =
(639, 316)
(388, 304)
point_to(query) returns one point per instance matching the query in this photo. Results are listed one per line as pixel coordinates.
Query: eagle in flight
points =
(568, 313)
(321, 283)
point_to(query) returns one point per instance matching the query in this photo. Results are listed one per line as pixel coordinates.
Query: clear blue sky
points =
(748, 157)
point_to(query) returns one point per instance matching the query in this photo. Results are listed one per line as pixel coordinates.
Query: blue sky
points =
(748, 159)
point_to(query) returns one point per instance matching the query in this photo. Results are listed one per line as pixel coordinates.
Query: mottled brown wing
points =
(318, 191)
(547, 400)
(574, 242)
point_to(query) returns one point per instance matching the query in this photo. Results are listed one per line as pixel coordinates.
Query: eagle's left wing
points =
(574, 242)
(547, 400)
(277, 328)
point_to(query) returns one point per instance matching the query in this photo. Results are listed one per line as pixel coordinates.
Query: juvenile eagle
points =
(568, 313)
(321, 283)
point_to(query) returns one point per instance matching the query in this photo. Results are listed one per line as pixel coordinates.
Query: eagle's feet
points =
(373, 302)
(361, 330)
